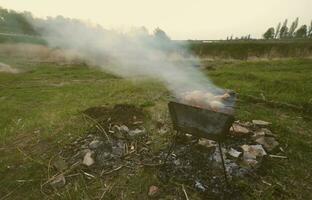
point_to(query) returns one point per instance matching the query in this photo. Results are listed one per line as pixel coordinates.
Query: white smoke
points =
(7, 68)
(135, 53)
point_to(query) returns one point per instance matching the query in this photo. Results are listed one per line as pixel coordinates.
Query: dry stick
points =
(111, 171)
(65, 172)
(277, 156)
(98, 126)
(184, 191)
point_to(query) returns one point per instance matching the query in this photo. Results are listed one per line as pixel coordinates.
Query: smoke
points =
(134, 53)
(7, 68)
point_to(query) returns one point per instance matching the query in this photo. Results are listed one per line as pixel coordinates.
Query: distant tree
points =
(301, 32)
(269, 34)
(293, 27)
(284, 30)
(310, 30)
(277, 30)
(160, 34)
(248, 37)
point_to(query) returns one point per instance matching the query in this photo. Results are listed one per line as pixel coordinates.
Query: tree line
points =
(282, 31)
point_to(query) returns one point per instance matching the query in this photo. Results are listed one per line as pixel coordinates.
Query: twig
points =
(184, 191)
(98, 126)
(65, 172)
(87, 174)
(111, 171)
(269, 184)
(277, 156)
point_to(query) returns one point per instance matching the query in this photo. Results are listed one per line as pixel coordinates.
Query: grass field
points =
(41, 112)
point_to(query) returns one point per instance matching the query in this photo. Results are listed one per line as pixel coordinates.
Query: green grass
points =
(40, 113)
(253, 49)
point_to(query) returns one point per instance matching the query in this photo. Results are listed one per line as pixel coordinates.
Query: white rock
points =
(58, 181)
(252, 153)
(234, 153)
(239, 130)
(207, 143)
(87, 159)
(269, 143)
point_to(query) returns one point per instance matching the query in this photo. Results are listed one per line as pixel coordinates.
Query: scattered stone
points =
(269, 143)
(118, 149)
(137, 132)
(95, 144)
(207, 143)
(120, 131)
(199, 186)
(252, 153)
(153, 190)
(239, 130)
(261, 123)
(58, 182)
(231, 168)
(87, 159)
(124, 129)
(234, 153)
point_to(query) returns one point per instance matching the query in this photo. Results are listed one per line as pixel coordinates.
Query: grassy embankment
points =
(255, 49)
(40, 113)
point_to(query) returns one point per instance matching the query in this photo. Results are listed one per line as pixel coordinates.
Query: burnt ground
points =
(115, 148)
(122, 114)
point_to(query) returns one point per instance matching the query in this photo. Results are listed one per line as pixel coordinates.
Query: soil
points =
(121, 114)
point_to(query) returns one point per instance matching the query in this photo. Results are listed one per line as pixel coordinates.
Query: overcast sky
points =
(181, 19)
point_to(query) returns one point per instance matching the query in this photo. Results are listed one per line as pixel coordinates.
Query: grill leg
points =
(223, 164)
(171, 147)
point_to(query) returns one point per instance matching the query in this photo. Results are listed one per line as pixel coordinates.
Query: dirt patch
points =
(122, 114)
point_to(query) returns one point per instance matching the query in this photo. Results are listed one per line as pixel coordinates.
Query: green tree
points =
(293, 27)
(160, 34)
(284, 30)
(269, 34)
(277, 30)
(302, 32)
(310, 30)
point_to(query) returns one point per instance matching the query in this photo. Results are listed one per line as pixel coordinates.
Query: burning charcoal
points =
(216, 105)
(234, 153)
(87, 159)
(58, 181)
(223, 97)
(269, 143)
(261, 123)
(207, 143)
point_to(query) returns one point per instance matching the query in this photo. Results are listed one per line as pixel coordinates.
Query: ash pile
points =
(116, 140)
(197, 162)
